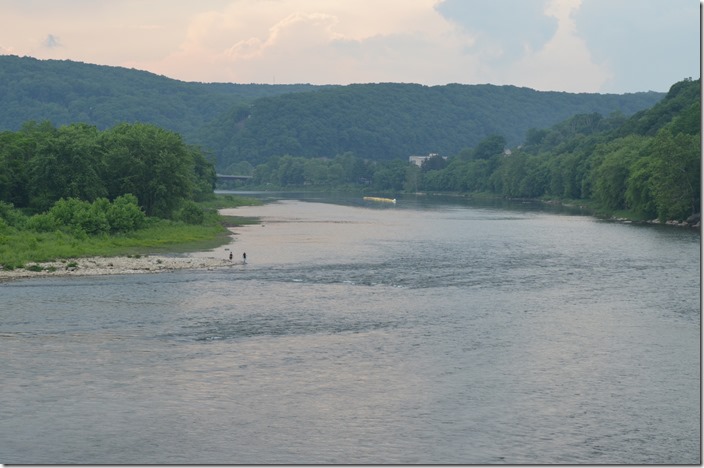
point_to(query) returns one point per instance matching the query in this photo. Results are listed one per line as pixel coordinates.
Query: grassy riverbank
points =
(19, 247)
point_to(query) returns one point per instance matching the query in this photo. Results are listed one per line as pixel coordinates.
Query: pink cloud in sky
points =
(534, 43)
(317, 42)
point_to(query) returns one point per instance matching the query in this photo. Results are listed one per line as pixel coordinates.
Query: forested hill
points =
(390, 120)
(251, 122)
(65, 92)
(643, 167)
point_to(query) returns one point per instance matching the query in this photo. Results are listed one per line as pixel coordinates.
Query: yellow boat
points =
(380, 199)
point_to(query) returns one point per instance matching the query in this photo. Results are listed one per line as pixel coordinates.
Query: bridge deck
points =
(232, 177)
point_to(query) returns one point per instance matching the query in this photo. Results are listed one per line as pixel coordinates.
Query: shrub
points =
(99, 217)
(42, 223)
(93, 219)
(11, 216)
(77, 216)
(65, 211)
(190, 213)
(124, 214)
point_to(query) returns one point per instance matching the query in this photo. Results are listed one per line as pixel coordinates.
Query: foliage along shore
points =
(644, 167)
(67, 247)
(623, 216)
(253, 122)
(77, 191)
(587, 206)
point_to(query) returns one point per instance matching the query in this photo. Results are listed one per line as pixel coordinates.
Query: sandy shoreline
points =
(92, 266)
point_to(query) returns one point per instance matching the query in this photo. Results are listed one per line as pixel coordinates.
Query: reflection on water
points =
(416, 333)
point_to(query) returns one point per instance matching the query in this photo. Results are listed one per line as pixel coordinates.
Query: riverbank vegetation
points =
(40, 164)
(643, 167)
(386, 121)
(74, 228)
(76, 191)
(254, 122)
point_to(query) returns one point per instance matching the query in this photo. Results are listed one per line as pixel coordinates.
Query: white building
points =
(419, 160)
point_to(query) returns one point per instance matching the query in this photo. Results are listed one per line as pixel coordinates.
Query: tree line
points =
(64, 92)
(387, 121)
(99, 180)
(648, 164)
(253, 122)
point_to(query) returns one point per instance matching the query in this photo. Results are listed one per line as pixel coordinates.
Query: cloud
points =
(655, 42)
(110, 32)
(564, 62)
(296, 33)
(530, 43)
(524, 42)
(506, 29)
(51, 42)
(568, 45)
(318, 42)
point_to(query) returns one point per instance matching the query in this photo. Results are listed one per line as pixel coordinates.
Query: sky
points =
(603, 46)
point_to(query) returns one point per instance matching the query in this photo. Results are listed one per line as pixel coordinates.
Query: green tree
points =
(153, 164)
(264, 173)
(203, 175)
(81, 217)
(490, 146)
(68, 164)
(190, 213)
(434, 163)
(390, 175)
(291, 171)
(612, 174)
(476, 175)
(125, 215)
(676, 174)
(639, 192)
(518, 174)
(315, 172)
(11, 216)
(413, 178)
(355, 169)
(240, 168)
(15, 152)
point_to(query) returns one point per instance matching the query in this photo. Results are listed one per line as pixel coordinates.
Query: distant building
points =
(419, 160)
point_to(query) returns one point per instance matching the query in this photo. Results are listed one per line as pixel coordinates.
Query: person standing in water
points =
(230, 256)
(244, 257)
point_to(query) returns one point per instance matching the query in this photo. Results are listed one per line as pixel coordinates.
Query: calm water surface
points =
(361, 333)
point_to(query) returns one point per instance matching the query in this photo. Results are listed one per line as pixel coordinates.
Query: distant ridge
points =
(64, 92)
(254, 122)
(390, 121)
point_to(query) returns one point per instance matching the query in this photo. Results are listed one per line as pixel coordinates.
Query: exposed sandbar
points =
(89, 266)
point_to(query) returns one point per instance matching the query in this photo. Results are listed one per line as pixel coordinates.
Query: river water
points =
(421, 332)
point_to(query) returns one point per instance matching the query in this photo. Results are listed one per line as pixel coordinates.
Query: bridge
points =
(232, 177)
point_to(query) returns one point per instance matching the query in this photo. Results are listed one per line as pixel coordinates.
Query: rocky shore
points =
(693, 221)
(90, 266)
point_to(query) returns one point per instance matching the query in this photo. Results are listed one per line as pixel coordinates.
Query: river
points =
(430, 331)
